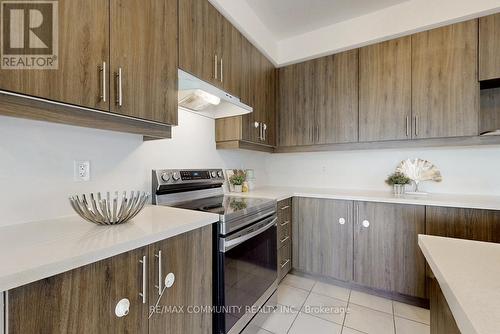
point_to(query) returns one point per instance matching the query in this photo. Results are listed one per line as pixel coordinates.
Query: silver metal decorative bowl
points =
(109, 210)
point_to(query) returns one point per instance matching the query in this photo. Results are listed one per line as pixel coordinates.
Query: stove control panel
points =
(195, 175)
(174, 176)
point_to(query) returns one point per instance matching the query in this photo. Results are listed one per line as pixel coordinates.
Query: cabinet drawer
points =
(285, 210)
(284, 259)
(284, 232)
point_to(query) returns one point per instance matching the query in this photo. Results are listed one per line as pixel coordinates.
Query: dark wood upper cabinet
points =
(257, 81)
(230, 62)
(445, 87)
(386, 252)
(322, 237)
(489, 47)
(318, 101)
(473, 224)
(336, 98)
(83, 300)
(296, 105)
(189, 258)
(144, 59)
(199, 33)
(385, 91)
(270, 74)
(83, 49)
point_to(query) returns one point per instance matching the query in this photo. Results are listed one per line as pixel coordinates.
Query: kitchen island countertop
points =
(468, 273)
(36, 250)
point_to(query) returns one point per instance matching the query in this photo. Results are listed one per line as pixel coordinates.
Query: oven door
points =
(248, 260)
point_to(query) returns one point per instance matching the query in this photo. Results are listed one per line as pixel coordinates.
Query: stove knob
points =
(213, 174)
(219, 174)
(175, 176)
(165, 177)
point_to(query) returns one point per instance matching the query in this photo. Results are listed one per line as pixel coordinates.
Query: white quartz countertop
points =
(447, 200)
(36, 250)
(468, 273)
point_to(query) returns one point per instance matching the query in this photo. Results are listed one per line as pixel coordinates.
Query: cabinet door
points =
(386, 252)
(253, 91)
(199, 38)
(445, 87)
(322, 237)
(474, 224)
(296, 104)
(82, 300)
(230, 66)
(336, 98)
(143, 47)
(385, 91)
(83, 49)
(189, 258)
(489, 47)
(269, 108)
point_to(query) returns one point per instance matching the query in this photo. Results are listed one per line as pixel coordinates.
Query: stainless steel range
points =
(245, 249)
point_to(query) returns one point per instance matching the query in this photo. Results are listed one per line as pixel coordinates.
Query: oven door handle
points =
(227, 245)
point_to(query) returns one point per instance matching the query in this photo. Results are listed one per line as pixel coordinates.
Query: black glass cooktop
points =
(227, 205)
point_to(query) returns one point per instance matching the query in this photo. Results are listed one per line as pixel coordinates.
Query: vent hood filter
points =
(205, 99)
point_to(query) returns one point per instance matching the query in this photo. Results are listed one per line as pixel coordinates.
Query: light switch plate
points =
(82, 170)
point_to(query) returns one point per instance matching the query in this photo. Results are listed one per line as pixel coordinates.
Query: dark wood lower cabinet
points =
(322, 237)
(473, 224)
(83, 300)
(284, 241)
(442, 320)
(189, 258)
(386, 252)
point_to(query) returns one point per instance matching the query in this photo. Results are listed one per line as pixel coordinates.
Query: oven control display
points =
(195, 175)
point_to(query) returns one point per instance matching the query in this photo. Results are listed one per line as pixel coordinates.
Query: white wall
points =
(473, 170)
(36, 162)
(403, 19)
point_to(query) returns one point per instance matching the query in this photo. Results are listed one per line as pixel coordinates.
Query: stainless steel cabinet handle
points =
(407, 126)
(221, 70)
(285, 239)
(264, 131)
(119, 97)
(257, 125)
(365, 223)
(285, 263)
(261, 134)
(342, 221)
(143, 293)
(160, 276)
(103, 82)
(215, 67)
(285, 207)
(416, 126)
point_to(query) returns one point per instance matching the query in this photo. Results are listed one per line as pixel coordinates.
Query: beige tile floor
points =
(304, 306)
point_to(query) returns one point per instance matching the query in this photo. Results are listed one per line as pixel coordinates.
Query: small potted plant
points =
(237, 180)
(398, 181)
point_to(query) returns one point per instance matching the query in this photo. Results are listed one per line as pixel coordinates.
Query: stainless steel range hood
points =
(205, 99)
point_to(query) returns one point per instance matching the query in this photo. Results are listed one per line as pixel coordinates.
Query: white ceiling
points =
(288, 18)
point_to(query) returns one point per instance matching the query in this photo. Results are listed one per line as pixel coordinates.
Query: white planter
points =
(238, 189)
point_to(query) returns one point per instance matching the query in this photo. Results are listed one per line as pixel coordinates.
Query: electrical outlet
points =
(82, 170)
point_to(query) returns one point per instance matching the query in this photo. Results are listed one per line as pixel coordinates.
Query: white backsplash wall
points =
(470, 170)
(36, 162)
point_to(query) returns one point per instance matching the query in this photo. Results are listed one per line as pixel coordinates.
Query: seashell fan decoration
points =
(419, 170)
